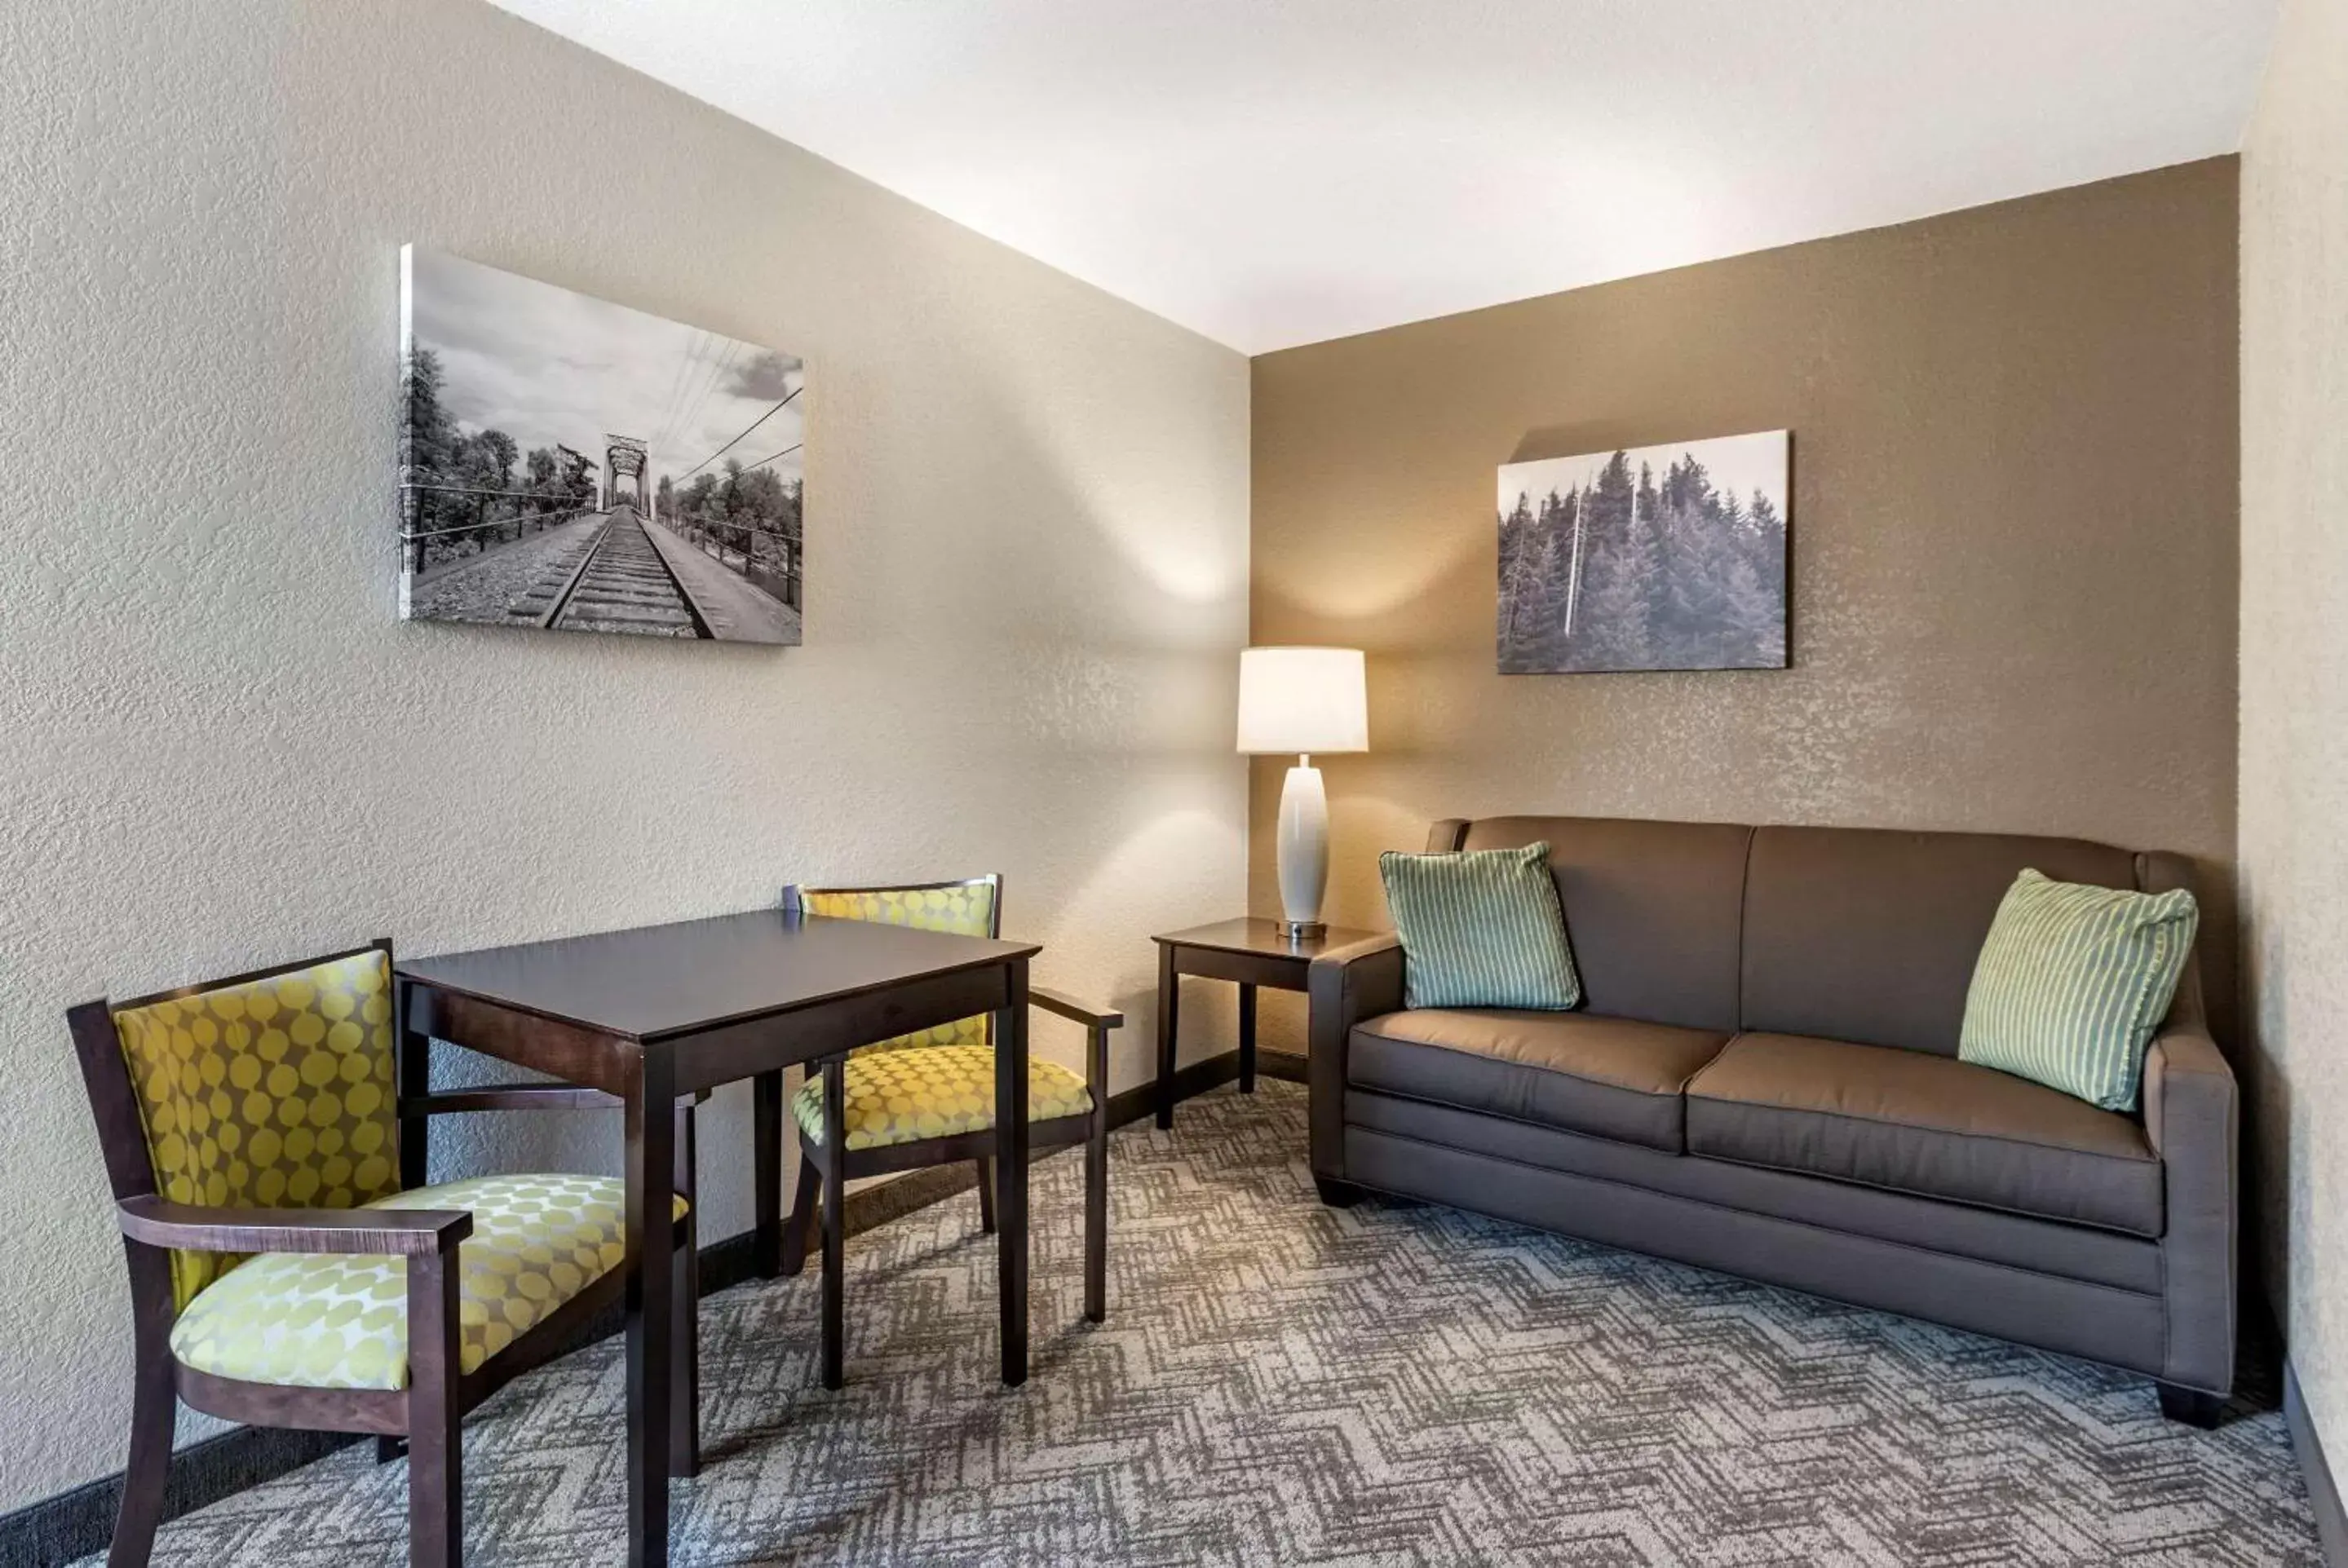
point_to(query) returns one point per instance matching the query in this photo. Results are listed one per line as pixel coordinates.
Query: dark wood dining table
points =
(657, 1012)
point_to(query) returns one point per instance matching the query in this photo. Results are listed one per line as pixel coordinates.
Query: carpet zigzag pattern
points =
(1282, 1383)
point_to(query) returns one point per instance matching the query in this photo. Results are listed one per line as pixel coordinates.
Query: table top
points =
(656, 982)
(1262, 936)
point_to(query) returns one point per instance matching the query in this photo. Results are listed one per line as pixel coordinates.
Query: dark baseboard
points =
(1141, 1100)
(73, 1524)
(76, 1523)
(1281, 1064)
(1209, 1072)
(2322, 1497)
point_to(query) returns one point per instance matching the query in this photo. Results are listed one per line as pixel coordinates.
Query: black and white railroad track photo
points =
(577, 466)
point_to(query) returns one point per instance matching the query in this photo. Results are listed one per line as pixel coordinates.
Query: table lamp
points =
(1303, 700)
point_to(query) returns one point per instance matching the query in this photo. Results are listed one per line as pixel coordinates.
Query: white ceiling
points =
(1274, 172)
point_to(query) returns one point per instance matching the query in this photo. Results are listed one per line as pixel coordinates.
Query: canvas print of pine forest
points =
(1653, 558)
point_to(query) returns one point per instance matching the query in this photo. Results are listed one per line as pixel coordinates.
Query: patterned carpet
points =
(1281, 1383)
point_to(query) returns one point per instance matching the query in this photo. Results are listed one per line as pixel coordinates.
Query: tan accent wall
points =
(2014, 536)
(2294, 611)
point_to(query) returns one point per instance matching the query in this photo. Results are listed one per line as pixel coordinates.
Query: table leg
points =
(766, 1162)
(835, 1221)
(1011, 1171)
(684, 1339)
(649, 1108)
(1169, 1002)
(1247, 1038)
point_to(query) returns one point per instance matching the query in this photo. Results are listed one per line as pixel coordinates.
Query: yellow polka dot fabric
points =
(276, 1093)
(329, 1322)
(934, 1092)
(964, 909)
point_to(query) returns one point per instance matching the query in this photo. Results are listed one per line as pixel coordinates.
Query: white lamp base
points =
(1304, 852)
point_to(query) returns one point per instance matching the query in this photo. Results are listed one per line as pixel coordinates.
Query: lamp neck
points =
(1304, 759)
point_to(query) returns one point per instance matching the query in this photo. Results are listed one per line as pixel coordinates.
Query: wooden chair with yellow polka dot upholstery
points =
(928, 1098)
(280, 1275)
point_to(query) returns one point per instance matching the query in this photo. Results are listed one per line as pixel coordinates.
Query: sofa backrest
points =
(1857, 934)
(1870, 935)
(1651, 908)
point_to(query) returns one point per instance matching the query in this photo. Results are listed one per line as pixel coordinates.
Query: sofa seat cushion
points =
(1916, 1121)
(1607, 1077)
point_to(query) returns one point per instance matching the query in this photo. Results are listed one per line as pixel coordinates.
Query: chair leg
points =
(1097, 1165)
(835, 1230)
(436, 1452)
(800, 1226)
(1096, 1216)
(986, 1195)
(153, 1410)
(684, 1321)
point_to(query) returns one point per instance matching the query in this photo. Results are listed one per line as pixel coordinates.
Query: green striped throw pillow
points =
(1481, 928)
(2072, 982)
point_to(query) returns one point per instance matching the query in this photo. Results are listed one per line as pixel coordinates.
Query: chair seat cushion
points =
(1607, 1077)
(1916, 1121)
(325, 1321)
(903, 1096)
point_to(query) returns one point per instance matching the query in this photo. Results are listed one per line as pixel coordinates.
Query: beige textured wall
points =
(1027, 558)
(2014, 536)
(2294, 610)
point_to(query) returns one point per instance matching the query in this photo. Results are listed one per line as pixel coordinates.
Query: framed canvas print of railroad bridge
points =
(1649, 557)
(574, 465)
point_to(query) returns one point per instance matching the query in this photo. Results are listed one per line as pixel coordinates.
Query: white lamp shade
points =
(1303, 700)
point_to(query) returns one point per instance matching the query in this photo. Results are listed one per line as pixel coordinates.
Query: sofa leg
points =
(2192, 1406)
(1338, 1194)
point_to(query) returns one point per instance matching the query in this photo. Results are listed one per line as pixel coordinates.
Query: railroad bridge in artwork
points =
(626, 457)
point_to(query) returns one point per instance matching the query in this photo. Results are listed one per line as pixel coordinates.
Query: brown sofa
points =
(1763, 1079)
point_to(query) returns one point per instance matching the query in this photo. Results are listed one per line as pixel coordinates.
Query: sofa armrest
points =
(2192, 1115)
(1346, 985)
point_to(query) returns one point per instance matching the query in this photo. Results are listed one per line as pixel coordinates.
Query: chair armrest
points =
(194, 1228)
(2191, 1117)
(1097, 1022)
(1343, 985)
(1067, 1007)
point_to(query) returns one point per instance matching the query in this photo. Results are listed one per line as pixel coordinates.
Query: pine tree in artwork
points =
(1519, 587)
(1622, 577)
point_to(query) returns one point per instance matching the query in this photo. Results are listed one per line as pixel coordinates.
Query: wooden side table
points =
(1252, 952)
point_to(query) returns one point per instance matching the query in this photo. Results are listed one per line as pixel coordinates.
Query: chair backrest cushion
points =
(959, 909)
(1652, 909)
(272, 1093)
(1871, 936)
